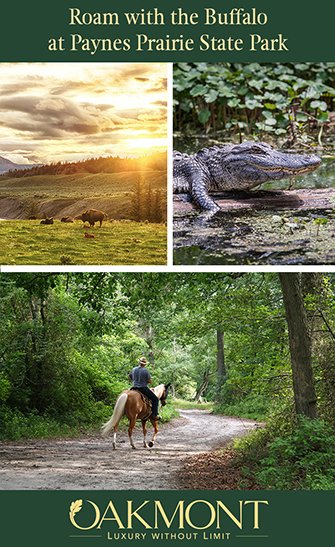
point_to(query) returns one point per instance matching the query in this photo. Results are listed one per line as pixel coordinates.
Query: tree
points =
(220, 360)
(300, 344)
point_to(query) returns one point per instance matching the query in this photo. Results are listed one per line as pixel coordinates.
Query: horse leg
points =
(155, 426)
(114, 438)
(132, 423)
(144, 433)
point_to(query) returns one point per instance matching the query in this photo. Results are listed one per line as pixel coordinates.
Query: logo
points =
(169, 520)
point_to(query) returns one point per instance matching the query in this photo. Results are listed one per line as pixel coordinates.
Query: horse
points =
(132, 404)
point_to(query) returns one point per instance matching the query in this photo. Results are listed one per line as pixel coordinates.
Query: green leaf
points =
(204, 115)
(198, 90)
(251, 103)
(211, 96)
(233, 103)
(321, 105)
(323, 116)
(301, 117)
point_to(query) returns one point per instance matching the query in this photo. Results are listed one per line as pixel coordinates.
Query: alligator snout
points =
(303, 164)
(312, 160)
(300, 160)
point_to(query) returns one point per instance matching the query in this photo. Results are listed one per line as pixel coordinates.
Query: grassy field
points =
(121, 242)
(189, 405)
(78, 184)
(69, 195)
(115, 243)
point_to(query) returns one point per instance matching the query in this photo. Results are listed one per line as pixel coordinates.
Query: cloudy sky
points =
(64, 112)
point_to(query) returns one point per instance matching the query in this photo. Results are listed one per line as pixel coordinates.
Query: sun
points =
(151, 144)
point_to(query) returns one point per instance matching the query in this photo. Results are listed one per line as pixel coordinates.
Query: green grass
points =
(183, 404)
(116, 243)
(70, 195)
(79, 185)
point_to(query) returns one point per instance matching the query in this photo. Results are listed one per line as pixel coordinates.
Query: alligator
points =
(234, 167)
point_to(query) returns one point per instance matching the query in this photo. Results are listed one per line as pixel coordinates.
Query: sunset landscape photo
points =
(83, 145)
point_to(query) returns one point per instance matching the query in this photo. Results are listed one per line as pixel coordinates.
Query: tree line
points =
(110, 164)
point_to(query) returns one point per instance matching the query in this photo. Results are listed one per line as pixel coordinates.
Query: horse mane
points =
(159, 390)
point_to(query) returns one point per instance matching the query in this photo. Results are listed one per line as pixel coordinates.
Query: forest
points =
(253, 345)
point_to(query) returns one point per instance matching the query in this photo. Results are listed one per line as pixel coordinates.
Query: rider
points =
(141, 377)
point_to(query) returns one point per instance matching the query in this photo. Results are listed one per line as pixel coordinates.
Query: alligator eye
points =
(258, 151)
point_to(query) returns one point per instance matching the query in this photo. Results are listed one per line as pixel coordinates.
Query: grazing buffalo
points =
(92, 216)
(66, 219)
(47, 221)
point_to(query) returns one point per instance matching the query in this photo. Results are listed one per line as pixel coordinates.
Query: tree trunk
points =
(221, 369)
(203, 386)
(323, 337)
(300, 344)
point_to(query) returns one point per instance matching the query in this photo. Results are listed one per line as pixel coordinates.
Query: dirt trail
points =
(90, 463)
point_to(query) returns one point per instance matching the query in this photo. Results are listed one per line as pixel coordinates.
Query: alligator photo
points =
(234, 167)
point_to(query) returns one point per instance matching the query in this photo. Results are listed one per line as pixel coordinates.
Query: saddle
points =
(145, 399)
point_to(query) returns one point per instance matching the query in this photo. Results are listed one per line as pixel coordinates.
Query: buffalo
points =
(49, 220)
(66, 219)
(92, 216)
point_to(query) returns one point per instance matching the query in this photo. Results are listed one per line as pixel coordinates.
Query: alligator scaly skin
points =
(234, 167)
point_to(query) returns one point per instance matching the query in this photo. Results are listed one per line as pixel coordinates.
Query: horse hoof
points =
(151, 444)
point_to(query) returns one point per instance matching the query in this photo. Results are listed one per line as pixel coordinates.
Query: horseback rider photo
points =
(140, 376)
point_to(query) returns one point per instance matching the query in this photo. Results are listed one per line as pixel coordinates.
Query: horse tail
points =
(120, 405)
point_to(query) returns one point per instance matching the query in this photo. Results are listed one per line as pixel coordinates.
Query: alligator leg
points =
(198, 187)
(192, 177)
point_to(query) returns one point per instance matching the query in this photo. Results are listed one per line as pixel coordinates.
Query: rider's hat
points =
(143, 361)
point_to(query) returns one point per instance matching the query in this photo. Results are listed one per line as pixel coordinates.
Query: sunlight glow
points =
(53, 112)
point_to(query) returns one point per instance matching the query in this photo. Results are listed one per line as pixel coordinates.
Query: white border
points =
(172, 269)
(170, 164)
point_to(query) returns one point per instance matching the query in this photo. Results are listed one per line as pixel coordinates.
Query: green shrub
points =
(16, 425)
(253, 97)
(289, 455)
(303, 459)
(168, 412)
(255, 407)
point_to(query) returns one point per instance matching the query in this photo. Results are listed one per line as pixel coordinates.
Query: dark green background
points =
(27, 26)
(41, 518)
(291, 519)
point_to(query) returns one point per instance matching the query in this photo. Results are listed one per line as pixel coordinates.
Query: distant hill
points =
(7, 165)
(153, 162)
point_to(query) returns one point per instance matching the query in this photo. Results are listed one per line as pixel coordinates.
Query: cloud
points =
(48, 117)
(60, 111)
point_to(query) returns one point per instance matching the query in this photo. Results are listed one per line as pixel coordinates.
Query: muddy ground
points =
(90, 463)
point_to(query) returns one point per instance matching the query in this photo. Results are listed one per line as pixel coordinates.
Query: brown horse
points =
(134, 406)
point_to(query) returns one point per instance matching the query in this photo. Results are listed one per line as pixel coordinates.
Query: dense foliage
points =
(68, 342)
(291, 100)
(289, 455)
